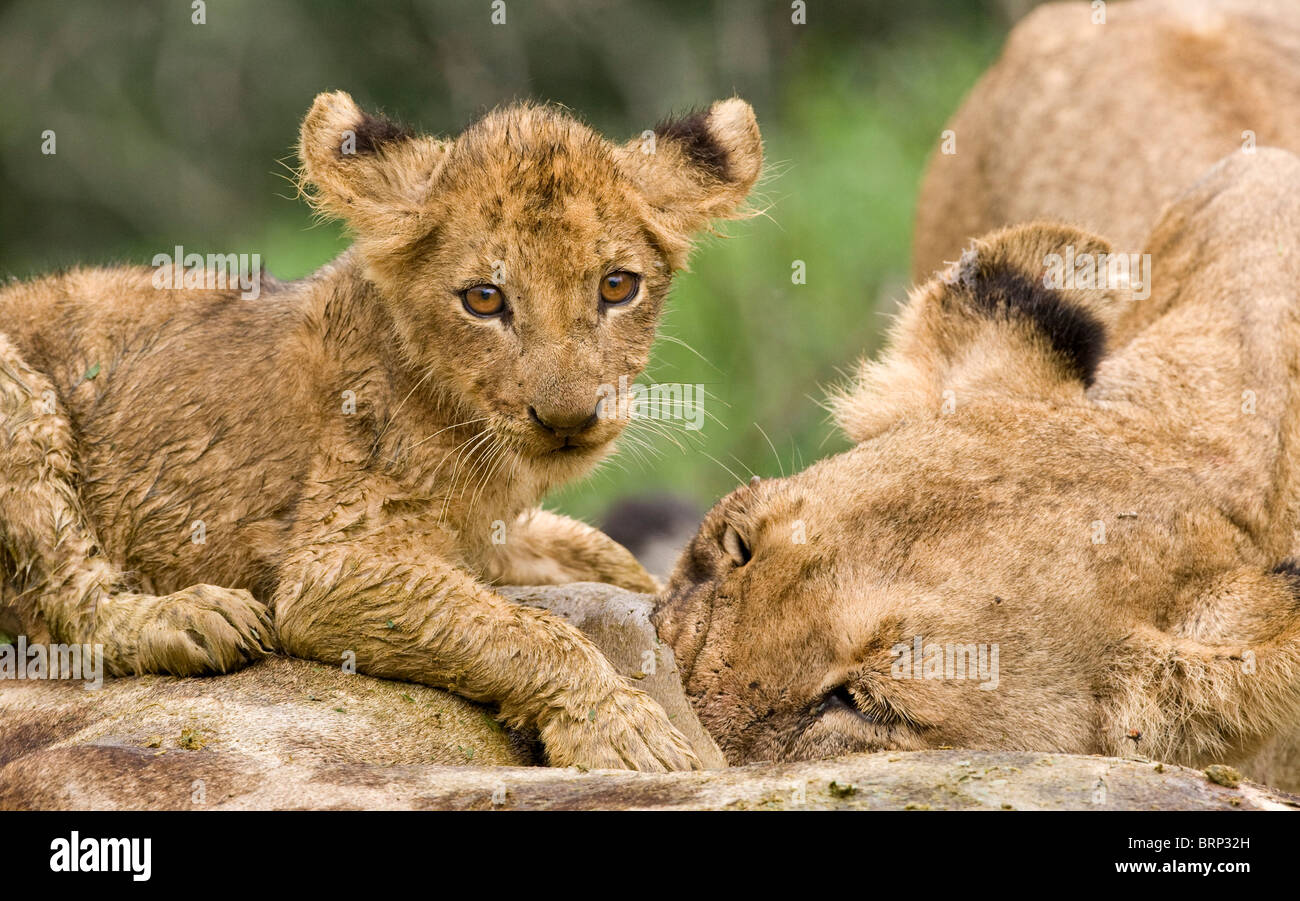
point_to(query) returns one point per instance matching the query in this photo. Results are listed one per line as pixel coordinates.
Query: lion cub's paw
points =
(638, 580)
(617, 566)
(199, 630)
(628, 730)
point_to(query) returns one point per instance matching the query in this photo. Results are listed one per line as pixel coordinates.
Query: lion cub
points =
(360, 454)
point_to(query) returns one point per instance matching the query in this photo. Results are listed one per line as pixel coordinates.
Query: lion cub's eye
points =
(484, 300)
(619, 287)
(735, 546)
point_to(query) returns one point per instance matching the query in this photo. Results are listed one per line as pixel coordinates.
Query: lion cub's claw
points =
(628, 730)
(202, 629)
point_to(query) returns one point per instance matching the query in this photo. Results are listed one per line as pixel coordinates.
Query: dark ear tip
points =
(995, 289)
(375, 132)
(1290, 569)
(697, 140)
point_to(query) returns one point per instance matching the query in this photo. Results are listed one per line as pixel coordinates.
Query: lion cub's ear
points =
(367, 170)
(1221, 678)
(693, 170)
(1005, 318)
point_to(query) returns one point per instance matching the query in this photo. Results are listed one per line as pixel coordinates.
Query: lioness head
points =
(1036, 544)
(524, 263)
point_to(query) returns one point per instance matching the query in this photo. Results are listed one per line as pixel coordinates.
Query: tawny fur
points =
(132, 413)
(1122, 532)
(1102, 125)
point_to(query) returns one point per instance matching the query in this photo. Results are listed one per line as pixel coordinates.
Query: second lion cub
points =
(352, 443)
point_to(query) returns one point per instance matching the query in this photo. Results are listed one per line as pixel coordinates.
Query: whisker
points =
(673, 339)
(452, 426)
(773, 446)
(392, 417)
(751, 472)
(468, 446)
(724, 466)
(498, 458)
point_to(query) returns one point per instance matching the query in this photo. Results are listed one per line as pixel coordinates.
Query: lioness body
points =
(1095, 477)
(1093, 496)
(361, 452)
(1103, 124)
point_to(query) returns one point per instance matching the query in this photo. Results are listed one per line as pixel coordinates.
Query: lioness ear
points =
(1017, 314)
(695, 169)
(1220, 680)
(367, 170)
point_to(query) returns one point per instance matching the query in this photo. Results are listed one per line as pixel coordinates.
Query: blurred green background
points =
(170, 132)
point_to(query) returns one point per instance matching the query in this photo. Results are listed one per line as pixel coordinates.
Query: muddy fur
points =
(1126, 539)
(353, 443)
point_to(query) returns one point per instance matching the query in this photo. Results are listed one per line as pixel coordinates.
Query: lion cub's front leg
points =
(402, 613)
(66, 588)
(544, 548)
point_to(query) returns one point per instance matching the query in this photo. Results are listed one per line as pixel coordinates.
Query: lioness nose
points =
(562, 423)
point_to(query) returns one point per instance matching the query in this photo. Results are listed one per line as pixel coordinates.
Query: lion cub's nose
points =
(562, 423)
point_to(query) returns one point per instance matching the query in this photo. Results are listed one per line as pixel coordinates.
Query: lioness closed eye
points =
(1070, 521)
(360, 453)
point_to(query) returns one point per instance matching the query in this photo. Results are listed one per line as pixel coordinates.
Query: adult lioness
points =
(1038, 542)
(362, 451)
(1100, 114)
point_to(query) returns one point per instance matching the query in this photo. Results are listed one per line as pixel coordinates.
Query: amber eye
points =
(484, 300)
(618, 287)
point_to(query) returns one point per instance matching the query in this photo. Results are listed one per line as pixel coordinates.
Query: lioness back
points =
(1103, 124)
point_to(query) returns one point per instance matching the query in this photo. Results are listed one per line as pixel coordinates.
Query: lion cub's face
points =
(525, 263)
(542, 283)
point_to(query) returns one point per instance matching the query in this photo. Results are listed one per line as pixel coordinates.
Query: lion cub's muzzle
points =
(566, 428)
